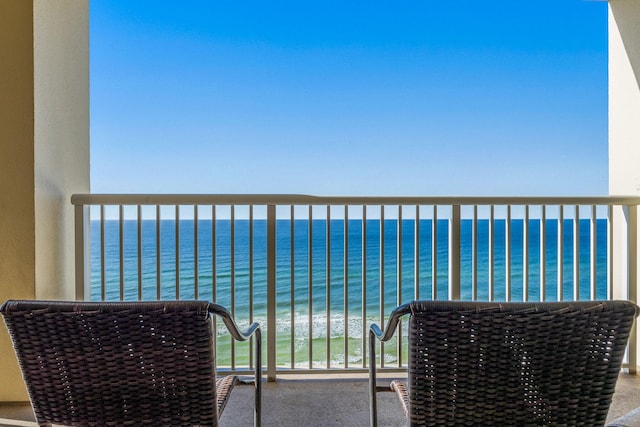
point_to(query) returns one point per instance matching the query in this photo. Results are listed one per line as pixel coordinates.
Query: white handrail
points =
(301, 199)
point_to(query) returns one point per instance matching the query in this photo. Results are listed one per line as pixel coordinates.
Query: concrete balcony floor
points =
(337, 401)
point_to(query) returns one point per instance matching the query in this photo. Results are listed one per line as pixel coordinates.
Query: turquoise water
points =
(342, 316)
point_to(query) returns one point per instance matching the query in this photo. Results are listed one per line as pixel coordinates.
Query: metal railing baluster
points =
(251, 278)
(593, 270)
(310, 281)
(271, 293)
(507, 254)
(82, 252)
(158, 253)
(345, 245)
(214, 271)
(399, 281)
(381, 279)
(454, 253)
(103, 283)
(434, 254)
(632, 292)
(543, 254)
(232, 271)
(610, 289)
(177, 251)
(121, 248)
(292, 272)
(196, 256)
(214, 254)
(416, 255)
(561, 253)
(328, 285)
(491, 253)
(365, 327)
(525, 255)
(474, 254)
(576, 254)
(139, 254)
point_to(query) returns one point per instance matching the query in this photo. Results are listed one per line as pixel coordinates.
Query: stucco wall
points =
(61, 48)
(624, 97)
(44, 153)
(624, 130)
(17, 214)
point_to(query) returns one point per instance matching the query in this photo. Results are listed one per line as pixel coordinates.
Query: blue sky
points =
(349, 98)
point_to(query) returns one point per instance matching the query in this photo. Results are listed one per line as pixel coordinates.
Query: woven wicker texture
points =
(400, 387)
(515, 364)
(224, 386)
(118, 364)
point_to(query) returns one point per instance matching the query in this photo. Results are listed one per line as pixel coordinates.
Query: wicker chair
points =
(520, 364)
(124, 363)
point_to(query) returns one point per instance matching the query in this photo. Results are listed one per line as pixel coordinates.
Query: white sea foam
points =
(322, 327)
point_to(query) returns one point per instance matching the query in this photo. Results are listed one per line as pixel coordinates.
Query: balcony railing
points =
(316, 271)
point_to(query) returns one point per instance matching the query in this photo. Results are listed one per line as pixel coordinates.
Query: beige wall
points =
(624, 97)
(17, 206)
(44, 143)
(61, 39)
(624, 127)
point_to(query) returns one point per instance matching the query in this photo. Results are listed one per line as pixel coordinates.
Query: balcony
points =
(69, 134)
(303, 265)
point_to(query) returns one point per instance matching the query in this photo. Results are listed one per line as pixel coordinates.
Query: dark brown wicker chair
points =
(498, 364)
(124, 363)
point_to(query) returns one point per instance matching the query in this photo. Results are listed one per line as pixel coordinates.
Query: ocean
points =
(320, 326)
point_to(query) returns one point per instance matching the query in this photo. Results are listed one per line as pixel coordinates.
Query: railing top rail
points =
(302, 199)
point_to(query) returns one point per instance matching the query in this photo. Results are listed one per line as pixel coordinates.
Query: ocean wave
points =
(321, 326)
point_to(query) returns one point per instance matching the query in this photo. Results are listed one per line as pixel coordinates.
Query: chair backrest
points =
(514, 363)
(147, 363)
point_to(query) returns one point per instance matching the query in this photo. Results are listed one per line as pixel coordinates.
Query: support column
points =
(624, 134)
(44, 153)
